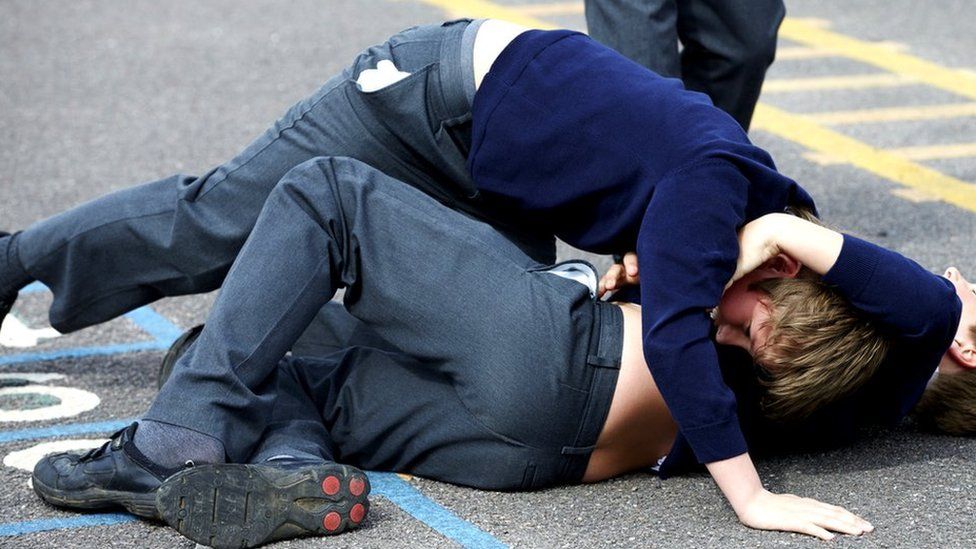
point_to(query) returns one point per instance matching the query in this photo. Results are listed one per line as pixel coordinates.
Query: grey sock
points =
(171, 446)
(12, 274)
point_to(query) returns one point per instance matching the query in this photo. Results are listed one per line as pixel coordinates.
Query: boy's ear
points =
(781, 266)
(963, 353)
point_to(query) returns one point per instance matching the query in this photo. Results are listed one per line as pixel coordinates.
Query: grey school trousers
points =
(728, 45)
(326, 199)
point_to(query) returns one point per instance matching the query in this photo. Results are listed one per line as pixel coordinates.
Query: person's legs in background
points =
(726, 46)
(645, 31)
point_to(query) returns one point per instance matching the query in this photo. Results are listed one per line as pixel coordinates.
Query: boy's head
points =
(812, 345)
(949, 402)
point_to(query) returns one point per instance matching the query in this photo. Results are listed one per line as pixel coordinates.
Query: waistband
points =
(603, 359)
(456, 69)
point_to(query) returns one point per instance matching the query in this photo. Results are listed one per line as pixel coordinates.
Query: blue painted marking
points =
(155, 324)
(82, 352)
(408, 498)
(164, 332)
(44, 525)
(64, 430)
(33, 288)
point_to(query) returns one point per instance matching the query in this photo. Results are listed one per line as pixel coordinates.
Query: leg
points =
(727, 48)
(180, 234)
(642, 30)
(406, 262)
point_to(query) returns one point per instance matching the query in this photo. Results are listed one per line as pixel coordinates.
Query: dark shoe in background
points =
(174, 353)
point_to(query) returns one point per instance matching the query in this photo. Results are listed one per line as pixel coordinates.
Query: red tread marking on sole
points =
(357, 513)
(332, 521)
(357, 486)
(331, 486)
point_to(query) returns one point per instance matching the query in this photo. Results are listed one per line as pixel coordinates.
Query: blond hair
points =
(819, 347)
(948, 404)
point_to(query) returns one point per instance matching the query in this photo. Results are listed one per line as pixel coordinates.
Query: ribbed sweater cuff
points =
(854, 267)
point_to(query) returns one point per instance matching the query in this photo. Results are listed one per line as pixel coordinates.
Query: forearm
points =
(814, 246)
(738, 480)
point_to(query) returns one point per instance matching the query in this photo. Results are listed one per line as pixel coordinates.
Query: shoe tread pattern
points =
(233, 506)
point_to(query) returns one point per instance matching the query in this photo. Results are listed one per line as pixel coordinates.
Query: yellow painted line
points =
(792, 53)
(552, 8)
(806, 132)
(960, 82)
(896, 114)
(482, 9)
(916, 153)
(936, 152)
(917, 196)
(852, 82)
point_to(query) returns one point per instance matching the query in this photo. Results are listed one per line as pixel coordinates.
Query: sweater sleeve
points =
(687, 249)
(905, 299)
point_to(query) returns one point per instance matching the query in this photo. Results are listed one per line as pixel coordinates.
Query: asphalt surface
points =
(98, 95)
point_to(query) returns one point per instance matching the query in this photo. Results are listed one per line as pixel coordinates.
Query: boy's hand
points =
(620, 275)
(756, 507)
(757, 244)
(768, 511)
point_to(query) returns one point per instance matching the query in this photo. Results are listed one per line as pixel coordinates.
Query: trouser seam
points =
(277, 136)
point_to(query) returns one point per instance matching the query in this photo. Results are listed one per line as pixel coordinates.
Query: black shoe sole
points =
(139, 504)
(232, 505)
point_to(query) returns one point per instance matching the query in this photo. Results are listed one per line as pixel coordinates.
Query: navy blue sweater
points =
(918, 311)
(610, 157)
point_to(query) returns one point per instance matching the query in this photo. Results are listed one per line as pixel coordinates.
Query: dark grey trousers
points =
(180, 235)
(496, 358)
(347, 394)
(727, 45)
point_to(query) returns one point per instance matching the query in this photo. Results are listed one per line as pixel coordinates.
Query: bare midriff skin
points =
(639, 429)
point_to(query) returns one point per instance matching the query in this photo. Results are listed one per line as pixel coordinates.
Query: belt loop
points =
(602, 362)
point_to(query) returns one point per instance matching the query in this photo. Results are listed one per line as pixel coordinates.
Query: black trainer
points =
(174, 353)
(115, 474)
(235, 505)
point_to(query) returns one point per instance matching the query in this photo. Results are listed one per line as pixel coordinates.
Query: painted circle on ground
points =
(71, 403)
(28, 457)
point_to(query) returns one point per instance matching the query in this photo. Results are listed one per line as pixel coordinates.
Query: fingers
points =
(824, 517)
(630, 264)
(841, 520)
(811, 529)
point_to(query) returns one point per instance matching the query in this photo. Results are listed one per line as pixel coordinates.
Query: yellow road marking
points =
(917, 196)
(936, 152)
(852, 82)
(960, 82)
(803, 130)
(483, 9)
(895, 114)
(918, 153)
(552, 8)
(790, 53)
